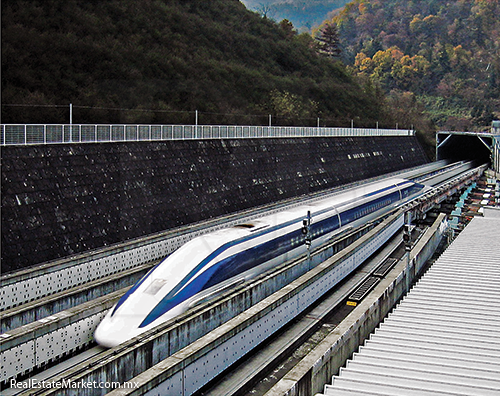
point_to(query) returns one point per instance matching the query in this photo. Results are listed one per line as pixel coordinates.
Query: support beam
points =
(444, 141)
(486, 144)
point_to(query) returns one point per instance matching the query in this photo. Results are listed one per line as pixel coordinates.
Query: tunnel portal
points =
(481, 147)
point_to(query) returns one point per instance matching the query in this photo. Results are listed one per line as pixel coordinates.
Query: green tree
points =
(288, 28)
(291, 106)
(329, 42)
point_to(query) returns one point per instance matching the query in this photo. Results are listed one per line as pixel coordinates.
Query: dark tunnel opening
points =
(464, 147)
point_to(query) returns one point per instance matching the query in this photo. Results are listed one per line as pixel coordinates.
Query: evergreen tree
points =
(288, 28)
(329, 41)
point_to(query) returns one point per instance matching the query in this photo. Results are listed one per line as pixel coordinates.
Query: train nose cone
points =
(103, 337)
(110, 333)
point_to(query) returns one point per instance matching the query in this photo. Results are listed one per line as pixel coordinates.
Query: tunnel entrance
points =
(458, 147)
(481, 147)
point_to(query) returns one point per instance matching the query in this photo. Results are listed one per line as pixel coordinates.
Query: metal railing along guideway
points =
(27, 134)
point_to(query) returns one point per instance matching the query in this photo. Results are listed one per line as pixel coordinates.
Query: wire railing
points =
(33, 134)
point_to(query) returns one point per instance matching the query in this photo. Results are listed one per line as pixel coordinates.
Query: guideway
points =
(40, 293)
(164, 341)
(196, 354)
(192, 367)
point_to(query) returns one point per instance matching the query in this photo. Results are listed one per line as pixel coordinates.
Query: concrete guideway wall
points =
(44, 341)
(192, 366)
(310, 375)
(22, 348)
(66, 299)
(66, 199)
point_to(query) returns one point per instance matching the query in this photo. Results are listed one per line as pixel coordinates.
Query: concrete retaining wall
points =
(60, 200)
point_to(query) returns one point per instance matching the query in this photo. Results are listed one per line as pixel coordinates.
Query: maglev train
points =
(210, 263)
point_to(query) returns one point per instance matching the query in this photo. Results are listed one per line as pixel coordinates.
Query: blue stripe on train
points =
(257, 255)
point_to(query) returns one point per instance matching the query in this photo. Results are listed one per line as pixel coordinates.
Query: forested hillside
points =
(165, 59)
(440, 54)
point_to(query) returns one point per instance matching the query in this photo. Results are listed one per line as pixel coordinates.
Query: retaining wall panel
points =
(60, 200)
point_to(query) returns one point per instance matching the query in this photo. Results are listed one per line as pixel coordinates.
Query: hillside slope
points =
(445, 53)
(173, 57)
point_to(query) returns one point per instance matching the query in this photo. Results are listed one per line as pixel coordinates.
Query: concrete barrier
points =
(187, 369)
(310, 375)
(47, 340)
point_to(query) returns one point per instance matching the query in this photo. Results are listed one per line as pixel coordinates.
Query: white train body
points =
(210, 263)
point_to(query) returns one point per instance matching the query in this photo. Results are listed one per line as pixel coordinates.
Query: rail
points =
(36, 134)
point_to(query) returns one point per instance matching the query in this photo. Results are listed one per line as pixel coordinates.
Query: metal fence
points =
(26, 134)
